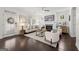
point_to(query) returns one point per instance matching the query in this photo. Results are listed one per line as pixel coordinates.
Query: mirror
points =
(10, 20)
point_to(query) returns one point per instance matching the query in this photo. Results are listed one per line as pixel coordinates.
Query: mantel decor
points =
(10, 20)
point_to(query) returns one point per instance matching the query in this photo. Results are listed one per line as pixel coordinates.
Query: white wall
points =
(36, 14)
(57, 13)
(72, 23)
(77, 27)
(66, 12)
(5, 28)
(1, 23)
(66, 16)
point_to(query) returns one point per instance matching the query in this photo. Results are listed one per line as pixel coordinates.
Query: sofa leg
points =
(51, 41)
(45, 38)
(57, 45)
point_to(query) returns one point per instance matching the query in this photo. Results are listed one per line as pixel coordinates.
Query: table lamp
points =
(22, 25)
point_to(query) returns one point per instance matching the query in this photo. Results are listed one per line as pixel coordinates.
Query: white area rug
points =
(41, 39)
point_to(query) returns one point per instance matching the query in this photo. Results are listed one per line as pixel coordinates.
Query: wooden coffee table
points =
(40, 33)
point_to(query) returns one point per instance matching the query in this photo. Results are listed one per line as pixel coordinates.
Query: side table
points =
(22, 32)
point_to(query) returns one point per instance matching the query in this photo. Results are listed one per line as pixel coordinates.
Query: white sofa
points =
(30, 29)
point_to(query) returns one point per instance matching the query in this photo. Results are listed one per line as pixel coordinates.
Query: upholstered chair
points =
(52, 37)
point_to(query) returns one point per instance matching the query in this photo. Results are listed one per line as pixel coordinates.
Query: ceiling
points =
(40, 10)
(37, 10)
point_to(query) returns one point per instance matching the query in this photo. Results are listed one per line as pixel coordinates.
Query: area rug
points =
(41, 39)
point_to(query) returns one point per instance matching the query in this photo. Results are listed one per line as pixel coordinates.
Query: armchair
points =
(52, 37)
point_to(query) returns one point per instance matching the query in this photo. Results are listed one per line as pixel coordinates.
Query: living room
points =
(38, 24)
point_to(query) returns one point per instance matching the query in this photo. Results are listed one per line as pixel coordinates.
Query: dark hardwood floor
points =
(22, 43)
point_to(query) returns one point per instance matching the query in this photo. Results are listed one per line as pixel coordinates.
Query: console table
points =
(65, 29)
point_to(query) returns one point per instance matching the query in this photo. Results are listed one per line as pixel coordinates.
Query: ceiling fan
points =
(45, 9)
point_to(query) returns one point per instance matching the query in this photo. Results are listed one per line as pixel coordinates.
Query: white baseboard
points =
(77, 47)
(1, 37)
(7, 35)
(72, 35)
(77, 43)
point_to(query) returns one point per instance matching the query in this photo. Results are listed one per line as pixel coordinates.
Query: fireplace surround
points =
(49, 27)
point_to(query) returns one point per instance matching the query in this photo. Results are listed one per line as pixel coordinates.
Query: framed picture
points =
(62, 17)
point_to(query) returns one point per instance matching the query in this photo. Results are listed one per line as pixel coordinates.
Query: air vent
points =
(7, 11)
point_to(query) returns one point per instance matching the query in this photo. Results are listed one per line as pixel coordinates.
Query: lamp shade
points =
(22, 24)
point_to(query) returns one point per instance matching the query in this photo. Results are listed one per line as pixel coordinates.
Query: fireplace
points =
(49, 27)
